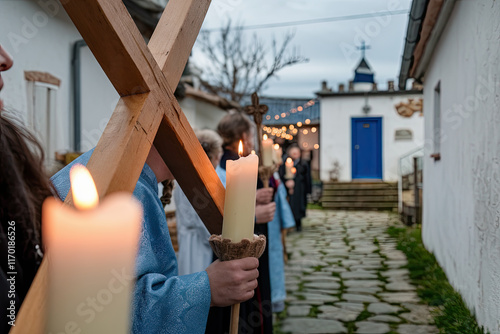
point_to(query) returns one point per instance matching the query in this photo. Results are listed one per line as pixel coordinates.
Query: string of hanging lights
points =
(292, 130)
(283, 115)
(289, 132)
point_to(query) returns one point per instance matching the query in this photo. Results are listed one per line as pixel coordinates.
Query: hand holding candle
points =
(92, 258)
(239, 216)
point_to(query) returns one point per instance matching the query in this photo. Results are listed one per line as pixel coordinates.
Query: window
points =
(41, 92)
(437, 123)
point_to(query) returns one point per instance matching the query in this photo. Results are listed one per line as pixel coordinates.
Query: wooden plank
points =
(110, 174)
(359, 205)
(44, 77)
(358, 192)
(31, 315)
(392, 199)
(171, 45)
(119, 156)
(358, 186)
(115, 41)
(173, 39)
(208, 201)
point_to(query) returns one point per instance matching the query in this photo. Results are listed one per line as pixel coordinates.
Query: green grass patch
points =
(277, 323)
(314, 206)
(451, 315)
(313, 313)
(363, 315)
(351, 328)
(346, 240)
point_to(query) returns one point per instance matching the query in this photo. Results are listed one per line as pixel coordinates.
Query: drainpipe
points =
(77, 105)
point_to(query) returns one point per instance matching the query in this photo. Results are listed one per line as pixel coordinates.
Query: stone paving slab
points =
(383, 308)
(339, 280)
(370, 327)
(298, 311)
(312, 326)
(415, 329)
(385, 318)
(342, 314)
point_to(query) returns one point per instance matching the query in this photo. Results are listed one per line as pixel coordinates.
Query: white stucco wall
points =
(200, 114)
(39, 35)
(335, 136)
(461, 192)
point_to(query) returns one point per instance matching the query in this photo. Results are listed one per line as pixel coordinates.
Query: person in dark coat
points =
(299, 186)
(255, 313)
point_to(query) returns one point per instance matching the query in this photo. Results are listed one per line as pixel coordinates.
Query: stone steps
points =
(360, 195)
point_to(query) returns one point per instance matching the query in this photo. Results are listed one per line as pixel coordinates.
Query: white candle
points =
(239, 204)
(267, 151)
(92, 259)
(277, 154)
(289, 166)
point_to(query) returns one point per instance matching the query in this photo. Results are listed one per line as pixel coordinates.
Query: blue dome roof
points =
(363, 73)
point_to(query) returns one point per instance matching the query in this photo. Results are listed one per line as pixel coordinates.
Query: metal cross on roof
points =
(363, 48)
(147, 112)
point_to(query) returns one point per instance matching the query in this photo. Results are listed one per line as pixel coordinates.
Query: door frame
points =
(380, 145)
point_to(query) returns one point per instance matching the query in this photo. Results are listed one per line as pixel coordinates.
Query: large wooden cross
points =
(147, 113)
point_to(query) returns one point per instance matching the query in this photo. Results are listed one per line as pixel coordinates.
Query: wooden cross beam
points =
(144, 76)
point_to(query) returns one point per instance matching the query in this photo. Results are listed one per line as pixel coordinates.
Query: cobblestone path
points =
(345, 275)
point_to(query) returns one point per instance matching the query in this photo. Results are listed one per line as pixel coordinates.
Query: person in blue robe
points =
(283, 219)
(164, 302)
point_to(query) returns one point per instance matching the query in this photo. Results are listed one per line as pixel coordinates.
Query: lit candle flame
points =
(294, 170)
(240, 149)
(276, 146)
(265, 137)
(289, 160)
(253, 151)
(83, 188)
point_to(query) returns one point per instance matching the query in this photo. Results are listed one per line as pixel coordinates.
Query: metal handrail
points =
(408, 169)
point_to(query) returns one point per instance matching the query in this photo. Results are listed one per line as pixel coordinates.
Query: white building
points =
(57, 85)
(362, 135)
(457, 58)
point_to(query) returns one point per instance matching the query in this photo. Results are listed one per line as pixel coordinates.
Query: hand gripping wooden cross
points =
(147, 112)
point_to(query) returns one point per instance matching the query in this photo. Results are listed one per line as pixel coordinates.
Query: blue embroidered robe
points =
(283, 218)
(163, 302)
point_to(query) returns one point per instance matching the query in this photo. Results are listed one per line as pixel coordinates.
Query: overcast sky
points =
(330, 46)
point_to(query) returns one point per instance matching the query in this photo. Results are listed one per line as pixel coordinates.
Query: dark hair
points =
(232, 127)
(24, 186)
(292, 146)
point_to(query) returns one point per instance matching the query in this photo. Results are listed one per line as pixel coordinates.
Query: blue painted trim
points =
(379, 120)
(363, 77)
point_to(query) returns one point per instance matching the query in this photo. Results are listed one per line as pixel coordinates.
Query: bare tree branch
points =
(238, 68)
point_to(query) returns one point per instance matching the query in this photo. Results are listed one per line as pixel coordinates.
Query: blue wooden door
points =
(367, 148)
